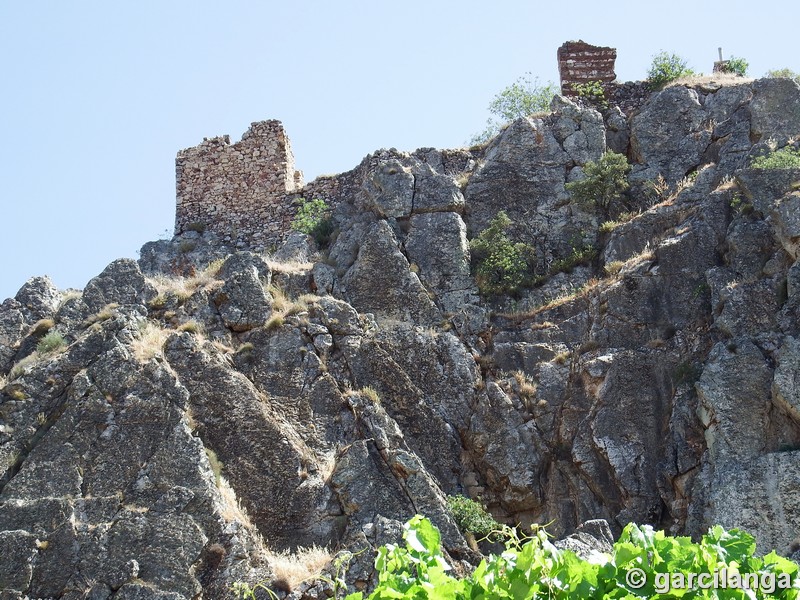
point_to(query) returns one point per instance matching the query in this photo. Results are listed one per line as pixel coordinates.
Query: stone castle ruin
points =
(243, 192)
(247, 193)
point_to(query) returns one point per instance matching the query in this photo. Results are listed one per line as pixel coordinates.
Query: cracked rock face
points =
(189, 425)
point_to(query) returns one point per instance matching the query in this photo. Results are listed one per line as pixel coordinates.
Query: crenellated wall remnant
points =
(579, 63)
(243, 191)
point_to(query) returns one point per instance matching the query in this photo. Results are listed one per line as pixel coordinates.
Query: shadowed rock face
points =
(184, 426)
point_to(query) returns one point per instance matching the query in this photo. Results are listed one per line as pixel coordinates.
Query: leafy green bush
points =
(603, 181)
(736, 65)
(643, 564)
(313, 218)
(522, 98)
(499, 265)
(582, 255)
(593, 91)
(471, 517)
(787, 73)
(787, 157)
(665, 68)
(50, 343)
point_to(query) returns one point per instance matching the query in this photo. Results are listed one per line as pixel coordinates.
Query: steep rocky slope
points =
(207, 406)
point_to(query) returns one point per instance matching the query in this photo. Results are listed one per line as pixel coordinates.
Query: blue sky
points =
(97, 97)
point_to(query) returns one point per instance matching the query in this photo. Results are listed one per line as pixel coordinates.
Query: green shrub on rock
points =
(604, 181)
(665, 68)
(471, 517)
(787, 157)
(736, 65)
(499, 265)
(783, 73)
(50, 343)
(313, 218)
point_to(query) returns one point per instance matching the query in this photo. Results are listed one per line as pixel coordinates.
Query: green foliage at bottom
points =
(643, 564)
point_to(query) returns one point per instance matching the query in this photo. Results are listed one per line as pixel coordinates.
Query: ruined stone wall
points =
(579, 62)
(239, 191)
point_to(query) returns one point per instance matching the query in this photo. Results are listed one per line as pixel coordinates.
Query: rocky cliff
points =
(169, 429)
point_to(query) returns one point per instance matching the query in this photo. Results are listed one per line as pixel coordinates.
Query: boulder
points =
(121, 282)
(437, 245)
(242, 301)
(734, 393)
(436, 193)
(39, 299)
(297, 247)
(668, 135)
(786, 383)
(785, 215)
(381, 280)
(775, 109)
(759, 496)
(590, 538)
(389, 189)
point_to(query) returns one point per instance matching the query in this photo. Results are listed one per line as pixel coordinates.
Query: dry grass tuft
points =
(371, 393)
(231, 509)
(104, 314)
(609, 226)
(564, 298)
(290, 266)
(245, 348)
(614, 267)
(23, 365)
(212, 269)
(69, 295)
(283, 306)
(713, 80)
(645, 255)
(42, 326)
(150, 342)
(192, 327)
(727, 183)
(301, 565)
(274, 322)
(281, 303)
(216, 465)
(526, 387)
(221, 348)
(183, 287)
(561, 358)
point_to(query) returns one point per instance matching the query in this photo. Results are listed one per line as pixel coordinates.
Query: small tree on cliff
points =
(499, 265)
(522, 98)
(604, 182)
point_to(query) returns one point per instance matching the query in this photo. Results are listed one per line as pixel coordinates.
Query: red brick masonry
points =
(579, 62)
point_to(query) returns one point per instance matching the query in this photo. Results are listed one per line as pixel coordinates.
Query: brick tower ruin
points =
(579, 63)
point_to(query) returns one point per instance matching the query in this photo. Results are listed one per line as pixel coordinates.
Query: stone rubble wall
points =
(628, 96)
(238, 191)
